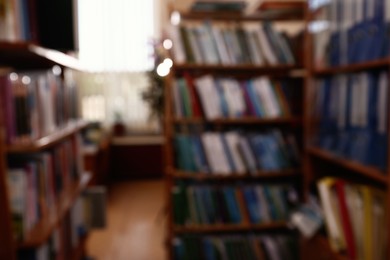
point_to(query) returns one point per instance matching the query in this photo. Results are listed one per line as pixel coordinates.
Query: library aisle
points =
(136, 225)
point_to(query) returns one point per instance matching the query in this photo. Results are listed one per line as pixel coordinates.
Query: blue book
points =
(199, 155)
(259, 111)
(208, 249)
(252, 204)
(228, 154)
(208, 204)
(222, 99)
(184, 156)
(232, 205)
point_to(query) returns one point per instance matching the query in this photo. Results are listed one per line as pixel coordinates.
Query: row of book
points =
(208, 204)
(36, 182)
(18, 21)
(65, 238)
(232, 44)
(353, 112)
(236, 153)
(233, 247)
(36, 104)
(215, 98)
(356, 217)
(356, 31)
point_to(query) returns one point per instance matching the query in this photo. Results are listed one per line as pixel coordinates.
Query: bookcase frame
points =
(26, 56)
(318, 246)
(242, 71)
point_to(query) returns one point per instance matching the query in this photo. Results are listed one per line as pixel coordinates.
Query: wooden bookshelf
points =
(260, 175)
(48, 141)
(44, 228)
(228, 228)
(79, 251)
(241, 121)
(358, 67)
(174, 125)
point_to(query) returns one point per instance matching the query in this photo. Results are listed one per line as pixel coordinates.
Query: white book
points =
(215, 153)
(221, 45)
(209, 97)
(354, 111)
(363, 99)
(179, 55)
(267, 96)
(17, 193)
(263, 209)
(238, 94)
(266, 49)
(233, 141)
(334, 233)
(355, 204)
(342, 102)
(210, 47)
(383, 92)
(229, 94)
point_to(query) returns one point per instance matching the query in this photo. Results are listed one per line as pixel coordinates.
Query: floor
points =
(136, 224)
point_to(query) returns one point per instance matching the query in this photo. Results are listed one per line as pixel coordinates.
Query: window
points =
(115, 44)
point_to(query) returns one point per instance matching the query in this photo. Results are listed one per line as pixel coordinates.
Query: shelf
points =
(45, 227)
(48, 141)
(382, 63)
(261, 175)
(364, 170)
(277, 69)
(244, 120)
(25, 55)
(225, 228)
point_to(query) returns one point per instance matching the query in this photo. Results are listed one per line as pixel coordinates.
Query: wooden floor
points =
(136, 224)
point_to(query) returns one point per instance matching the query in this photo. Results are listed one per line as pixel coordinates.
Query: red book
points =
(195, 102)
(345, 219)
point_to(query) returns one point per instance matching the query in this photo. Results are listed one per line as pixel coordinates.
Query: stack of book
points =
(229, 204)
(355, 31)
(236, 153)
(353, 112)
(36, 182)
(356, 218)
(231, 247)
(36, 104)
(215, 98)
(66, 238)
(232, 44)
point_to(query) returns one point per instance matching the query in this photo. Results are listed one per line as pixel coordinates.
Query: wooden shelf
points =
(243, 120)
(26, 56)
(245, 68)
(382, 63)
(261, 175)
(364, 170)
(47, 141)
(45, 227)
(225, 228)
(318, 247)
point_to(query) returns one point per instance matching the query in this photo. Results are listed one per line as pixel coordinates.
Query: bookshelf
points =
(339, 62)
(52, 137)
(181, 126)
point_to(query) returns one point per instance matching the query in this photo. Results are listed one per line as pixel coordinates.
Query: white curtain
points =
(115, 46)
